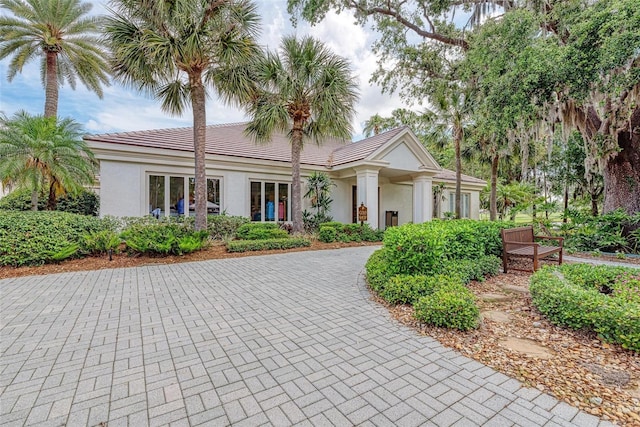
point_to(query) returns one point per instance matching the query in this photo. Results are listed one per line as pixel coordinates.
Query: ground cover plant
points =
(603, 299)
(615, 231)
(428, 265)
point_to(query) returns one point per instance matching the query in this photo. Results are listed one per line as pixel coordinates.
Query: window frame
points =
(169, 210)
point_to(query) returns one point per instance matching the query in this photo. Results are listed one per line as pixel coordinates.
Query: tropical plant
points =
(39, 153)
(63, 36)
(451, 110)
(174, 50)
(307, 92)
(319, 193)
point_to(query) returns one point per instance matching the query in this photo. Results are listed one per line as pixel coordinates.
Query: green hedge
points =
(339, 232)
(405, 289)
(260, 231)
(33, 238)
(84, 203)
(450, 307)
(473, 269)
(423, 248)
(377, 270)
(603, 299)
(261, 245)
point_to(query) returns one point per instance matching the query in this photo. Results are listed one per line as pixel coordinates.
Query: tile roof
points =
(230, 140)
(362, 149)
(224, 140)
(449, 175)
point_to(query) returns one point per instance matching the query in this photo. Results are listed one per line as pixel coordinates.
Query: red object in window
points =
(281, 211)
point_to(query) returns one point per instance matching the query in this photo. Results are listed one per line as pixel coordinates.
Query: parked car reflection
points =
(212, 208)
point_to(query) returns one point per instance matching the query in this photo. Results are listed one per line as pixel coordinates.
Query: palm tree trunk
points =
(457, 142)
(51, 201)
(296, 188)
(198, 99)
(34, 200)
(51, 89)
(493, 199)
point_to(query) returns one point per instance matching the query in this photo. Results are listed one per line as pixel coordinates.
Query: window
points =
(213, 196)
(269, 200)
(167, 195)
(464, 204)
(156, 195)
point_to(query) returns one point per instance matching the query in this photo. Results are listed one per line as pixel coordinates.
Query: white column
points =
(422, 199)
(367, 182)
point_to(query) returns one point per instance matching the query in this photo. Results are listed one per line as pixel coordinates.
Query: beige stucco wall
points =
(396, 197)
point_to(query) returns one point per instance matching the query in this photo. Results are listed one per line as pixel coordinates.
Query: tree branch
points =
(405, 22)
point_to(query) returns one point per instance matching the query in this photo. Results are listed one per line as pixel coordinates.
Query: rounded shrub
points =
(32, 238)
(408, 289)
(327, 234)
(450, 307)
(377, 270)
(597, 298)
(260, 231)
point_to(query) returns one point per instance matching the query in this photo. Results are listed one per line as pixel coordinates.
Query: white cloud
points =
(124, 109)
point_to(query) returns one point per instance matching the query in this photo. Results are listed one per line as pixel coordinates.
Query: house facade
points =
(392, 174)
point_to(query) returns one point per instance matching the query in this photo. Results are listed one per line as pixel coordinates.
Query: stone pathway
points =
(277, 340)
(596, 261)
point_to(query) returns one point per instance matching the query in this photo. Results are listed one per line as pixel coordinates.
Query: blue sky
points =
(124, 109)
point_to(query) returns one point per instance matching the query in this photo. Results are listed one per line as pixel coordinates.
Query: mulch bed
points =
(601, 379)
(215, 251)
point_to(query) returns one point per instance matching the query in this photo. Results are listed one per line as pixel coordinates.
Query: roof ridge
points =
(158, 130)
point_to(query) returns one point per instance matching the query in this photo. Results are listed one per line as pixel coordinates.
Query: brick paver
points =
(281, 340)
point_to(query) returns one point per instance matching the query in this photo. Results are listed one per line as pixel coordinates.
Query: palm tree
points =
(306, 91)
(44, 154)
(174, 49)
(374, 125)
(60, 33)
(450, 107)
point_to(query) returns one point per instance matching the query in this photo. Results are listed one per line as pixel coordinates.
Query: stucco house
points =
(149, 172)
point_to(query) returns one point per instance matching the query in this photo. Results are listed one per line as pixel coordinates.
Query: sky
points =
(123, 109)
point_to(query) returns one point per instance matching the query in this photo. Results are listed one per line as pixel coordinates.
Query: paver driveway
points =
(282, 339)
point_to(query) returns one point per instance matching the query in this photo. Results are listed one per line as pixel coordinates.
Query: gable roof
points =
(230, 140)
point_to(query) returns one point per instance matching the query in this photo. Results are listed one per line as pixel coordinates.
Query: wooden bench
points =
(521, 243)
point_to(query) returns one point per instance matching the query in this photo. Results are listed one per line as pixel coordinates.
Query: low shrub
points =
(260, 231)
(450, 307)
(100, 242)
(405, 289)
(162, 237)
(223, 227)
(377, 270)
(473, 269)
(348, 233)
(32, 238)
(261, 245)
(327, 234)
(603, 299)
(423, 248)
(85, 202)
(614, 231)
